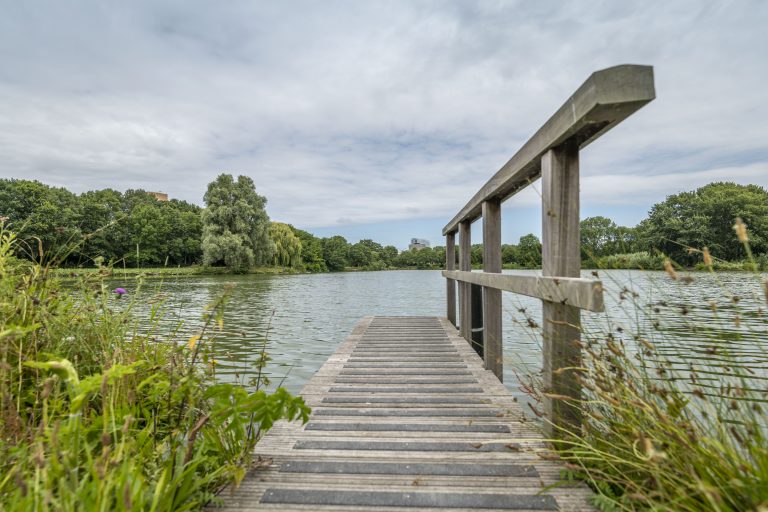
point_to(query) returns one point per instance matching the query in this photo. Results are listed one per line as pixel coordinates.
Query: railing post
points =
(465, 263)
(561, 257)
(492, 336)
(450, 264)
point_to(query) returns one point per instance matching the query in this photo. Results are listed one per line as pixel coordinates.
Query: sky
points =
(376, 119)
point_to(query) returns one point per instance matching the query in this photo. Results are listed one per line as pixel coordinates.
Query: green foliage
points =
(529, 251)
(636, 260)
(95, 416)
(287, 245)
(311, 251)
(44, 217)
(600, 236)
(335, 251)
(73, 230)
(235, 224)
(509, 254)
(705, 218)
(426, 258)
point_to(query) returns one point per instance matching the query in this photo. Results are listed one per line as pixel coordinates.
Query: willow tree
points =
(235, 224)
(287, 245)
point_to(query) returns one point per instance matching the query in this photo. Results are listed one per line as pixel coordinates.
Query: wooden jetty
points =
(406, 414)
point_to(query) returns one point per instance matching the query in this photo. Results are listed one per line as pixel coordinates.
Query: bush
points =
(96, 416)
(634, 260)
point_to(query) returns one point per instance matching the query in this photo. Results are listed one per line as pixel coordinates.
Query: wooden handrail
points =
(572, 291)
(605, 99)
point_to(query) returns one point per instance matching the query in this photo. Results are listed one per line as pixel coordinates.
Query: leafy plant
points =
(95, 414)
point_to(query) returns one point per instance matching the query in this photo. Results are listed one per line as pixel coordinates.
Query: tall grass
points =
(665, 432)
(95, 414)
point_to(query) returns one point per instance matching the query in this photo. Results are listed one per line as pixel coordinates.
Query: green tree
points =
(600, 236)
(287, 245)
(509, 254)
(184, 245)
(705, 218)
(311, 251)
(360, 255)
(389, 254)
(335, 250)
(529, 251)
(102, 222)
(235, 224)
(43, 217)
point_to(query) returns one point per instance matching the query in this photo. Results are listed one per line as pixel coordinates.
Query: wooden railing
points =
(604, 100)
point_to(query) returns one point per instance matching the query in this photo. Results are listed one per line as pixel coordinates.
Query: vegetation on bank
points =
(101, 412)
(135, 230)
(665, 431)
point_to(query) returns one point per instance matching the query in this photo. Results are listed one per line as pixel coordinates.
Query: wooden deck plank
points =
(395, 427)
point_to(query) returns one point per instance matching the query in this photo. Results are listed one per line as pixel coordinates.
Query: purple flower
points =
(120, 292)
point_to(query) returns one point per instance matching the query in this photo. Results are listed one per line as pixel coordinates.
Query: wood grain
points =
(466, 450)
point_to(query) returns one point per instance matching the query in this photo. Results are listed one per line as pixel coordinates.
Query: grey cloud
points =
(367, 112)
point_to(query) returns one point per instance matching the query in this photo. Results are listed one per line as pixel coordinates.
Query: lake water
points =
(305, 317)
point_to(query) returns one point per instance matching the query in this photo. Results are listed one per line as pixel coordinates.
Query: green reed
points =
(96, 414)
(661, 433)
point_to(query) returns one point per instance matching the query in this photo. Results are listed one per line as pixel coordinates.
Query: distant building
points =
(418, 243)
(160, 196)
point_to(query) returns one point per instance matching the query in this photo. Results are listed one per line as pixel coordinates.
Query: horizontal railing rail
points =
(573, 291)
(605, 99)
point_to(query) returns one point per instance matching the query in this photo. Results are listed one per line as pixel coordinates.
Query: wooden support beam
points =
(561, 256)
(575, 291)
(465, 264)
(450, 264)
(493, 352)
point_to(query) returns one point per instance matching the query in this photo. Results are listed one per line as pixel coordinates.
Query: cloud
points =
(360, 112)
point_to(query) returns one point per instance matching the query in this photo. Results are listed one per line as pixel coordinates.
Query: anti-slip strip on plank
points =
(421, 380)
(421, 500)
(453, 413)
(390, 372)
(407, 427)
(415, 469)
(406, 359)
(406, 446)
(376, 350)
(384, 389)
(405, 365)
(401, 400)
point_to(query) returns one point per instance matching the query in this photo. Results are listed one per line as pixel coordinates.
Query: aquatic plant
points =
(100, 413)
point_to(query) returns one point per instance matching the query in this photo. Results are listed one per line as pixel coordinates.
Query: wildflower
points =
(741, 230)
(119, 292)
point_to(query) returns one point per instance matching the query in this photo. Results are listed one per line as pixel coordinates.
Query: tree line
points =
(134, 229)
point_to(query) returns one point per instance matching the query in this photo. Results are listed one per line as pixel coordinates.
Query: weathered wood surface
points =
(561, 256)
(492, 350)
(405, 417)
(465, 290)
(450, 284)
(605, 99)
(575, 291)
